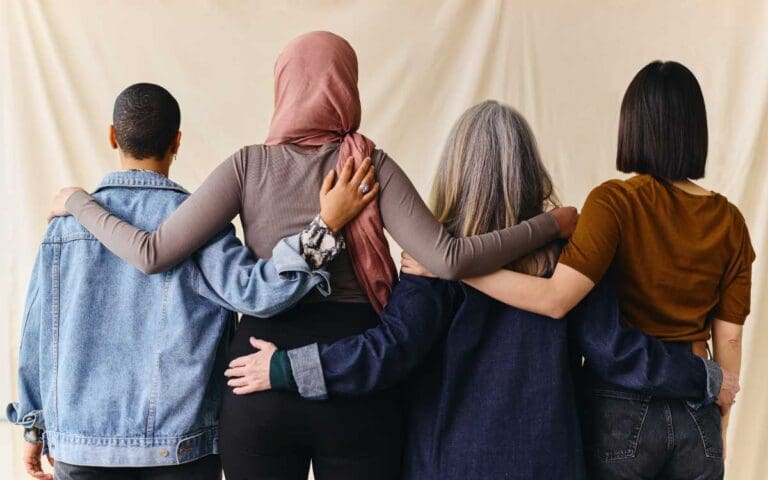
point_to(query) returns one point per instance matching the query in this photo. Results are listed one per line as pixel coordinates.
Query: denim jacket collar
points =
(139, 179)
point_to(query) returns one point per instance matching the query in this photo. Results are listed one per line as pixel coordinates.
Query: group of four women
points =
(433, 378)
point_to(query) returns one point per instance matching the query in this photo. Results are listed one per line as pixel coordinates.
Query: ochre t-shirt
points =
(678, 260)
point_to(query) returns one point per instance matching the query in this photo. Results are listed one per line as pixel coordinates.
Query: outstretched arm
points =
(233, 278)
(204, 214)
(416, 315)
(552, 297)
(624, 356)
(416, 230)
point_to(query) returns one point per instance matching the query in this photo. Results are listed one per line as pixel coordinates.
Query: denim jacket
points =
(418, 315)
(125, 369)
(470, 361)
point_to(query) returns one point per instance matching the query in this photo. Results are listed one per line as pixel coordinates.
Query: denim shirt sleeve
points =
(624, 356)
(415, 317)
(28, 411)
(233, 278)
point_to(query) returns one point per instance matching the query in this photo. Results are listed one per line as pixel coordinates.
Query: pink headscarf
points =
(317, 102)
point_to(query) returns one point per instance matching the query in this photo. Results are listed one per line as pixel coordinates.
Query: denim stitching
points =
(630, 452)
(55, 307)
(704, 439)
(156, 374)
(670, 427)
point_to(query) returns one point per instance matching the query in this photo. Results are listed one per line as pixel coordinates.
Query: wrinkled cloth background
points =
(563, 64)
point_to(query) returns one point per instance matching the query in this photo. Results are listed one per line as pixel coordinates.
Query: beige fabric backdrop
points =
(564, 64)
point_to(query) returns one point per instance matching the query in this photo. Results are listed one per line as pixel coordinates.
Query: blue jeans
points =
(630, 435)
(206, 468)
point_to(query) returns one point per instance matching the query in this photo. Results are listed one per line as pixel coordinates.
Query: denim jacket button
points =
(163, 453)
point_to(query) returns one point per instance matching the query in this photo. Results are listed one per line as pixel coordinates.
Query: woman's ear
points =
(113, 137)
(176, 143)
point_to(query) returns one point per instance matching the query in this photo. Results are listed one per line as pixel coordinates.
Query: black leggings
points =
(275, 435)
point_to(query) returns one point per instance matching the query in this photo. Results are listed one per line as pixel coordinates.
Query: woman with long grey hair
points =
(489, 393)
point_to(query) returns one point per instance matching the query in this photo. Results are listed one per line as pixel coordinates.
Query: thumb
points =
(261, 344)
(328, 182)
(50, 459)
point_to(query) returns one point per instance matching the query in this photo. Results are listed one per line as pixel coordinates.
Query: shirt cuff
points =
(287, 261)
(547, 224)
(280, 374)
(33, 419)
(319, 245)
(714, 384)
(308, 372)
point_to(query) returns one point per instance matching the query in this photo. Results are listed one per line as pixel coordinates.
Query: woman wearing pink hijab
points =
(273, 187)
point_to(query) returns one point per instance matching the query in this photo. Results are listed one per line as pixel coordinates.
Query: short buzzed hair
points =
(146, 118)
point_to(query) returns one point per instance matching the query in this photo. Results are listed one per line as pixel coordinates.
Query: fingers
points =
(362, 172)
(368, 197)
(51, 460)
(369, 178)
(240, 361)
(235, 372)
(261, 344)
(237, 382)
(248, 389)
(346, 172)
(328, 182)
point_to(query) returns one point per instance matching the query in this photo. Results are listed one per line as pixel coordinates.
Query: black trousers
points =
(633, 436)
(206, 468)
(275, 435)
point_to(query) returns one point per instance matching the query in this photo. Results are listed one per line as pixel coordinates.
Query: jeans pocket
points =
(708, 421)
(613, 423)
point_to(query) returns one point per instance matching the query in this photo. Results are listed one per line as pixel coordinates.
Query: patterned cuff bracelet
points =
(319, 245)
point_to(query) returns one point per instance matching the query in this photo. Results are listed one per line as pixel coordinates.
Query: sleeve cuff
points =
(547, 224)
(714, 378)
(308, 372)
(287, 261)
(280, 374)
(714, 384)
(33, 419)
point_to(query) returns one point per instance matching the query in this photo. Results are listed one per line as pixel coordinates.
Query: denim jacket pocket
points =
(709, 424)
(613, 422)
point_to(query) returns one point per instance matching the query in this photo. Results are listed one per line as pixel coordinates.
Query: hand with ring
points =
(352, 192)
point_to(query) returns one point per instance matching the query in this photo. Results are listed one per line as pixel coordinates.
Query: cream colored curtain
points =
(564, 64)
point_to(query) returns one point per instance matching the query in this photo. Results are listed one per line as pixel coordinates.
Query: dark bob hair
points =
(663, 124)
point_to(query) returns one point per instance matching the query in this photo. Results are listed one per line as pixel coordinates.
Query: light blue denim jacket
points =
(125, 369)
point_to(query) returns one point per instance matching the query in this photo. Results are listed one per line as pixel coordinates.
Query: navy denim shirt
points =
(125, 369)
(495, 398)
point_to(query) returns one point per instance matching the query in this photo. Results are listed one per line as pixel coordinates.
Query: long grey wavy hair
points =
(491, 177)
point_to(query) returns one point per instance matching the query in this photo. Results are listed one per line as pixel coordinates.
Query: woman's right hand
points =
(566, 218)
(353, 191)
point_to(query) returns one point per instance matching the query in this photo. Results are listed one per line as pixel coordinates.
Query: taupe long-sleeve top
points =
(275, 190)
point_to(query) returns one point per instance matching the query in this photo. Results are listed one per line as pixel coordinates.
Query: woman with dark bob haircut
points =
(680, 258)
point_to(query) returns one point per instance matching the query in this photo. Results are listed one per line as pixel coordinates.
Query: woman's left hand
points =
(409, 265)
(250, 373)
(58, 206)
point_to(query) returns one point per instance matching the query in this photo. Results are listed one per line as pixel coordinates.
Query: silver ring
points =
(365, 188)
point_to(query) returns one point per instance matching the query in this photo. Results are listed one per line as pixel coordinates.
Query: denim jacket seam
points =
(55, 310)
(150, 428)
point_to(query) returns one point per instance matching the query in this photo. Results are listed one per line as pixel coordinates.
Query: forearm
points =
(416, 230)
(379, 358)
(236, 280)
(552, 297)
(726, 343)
(624, 356)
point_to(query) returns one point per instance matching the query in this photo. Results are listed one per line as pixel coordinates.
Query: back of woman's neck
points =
(689, 187)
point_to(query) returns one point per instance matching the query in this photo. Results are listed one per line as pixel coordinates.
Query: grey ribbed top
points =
(275, 191)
